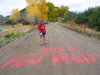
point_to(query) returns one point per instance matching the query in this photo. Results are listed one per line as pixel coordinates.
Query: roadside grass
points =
(49, 22)
(11, 36)
(17, 28)
(85, 31)
(9, 28)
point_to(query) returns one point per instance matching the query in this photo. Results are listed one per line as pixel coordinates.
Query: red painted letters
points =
(78, 59)
(73, 48)
(18, 62)
(8, 63)
(34, 62)
(57, 59)
(62, 56)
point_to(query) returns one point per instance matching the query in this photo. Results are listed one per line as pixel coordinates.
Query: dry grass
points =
(11, 36)
(82, 29)
(6, 28)
(17, 28)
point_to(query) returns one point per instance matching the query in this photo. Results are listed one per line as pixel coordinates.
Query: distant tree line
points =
(90, 17)
(54, 12)
(36, 10)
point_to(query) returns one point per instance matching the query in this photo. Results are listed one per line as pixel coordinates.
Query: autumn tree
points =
(51, 13)
(15, 15)
(44, 9)
(63, 10)
(33, 14)
(36, 10)
(55, 14)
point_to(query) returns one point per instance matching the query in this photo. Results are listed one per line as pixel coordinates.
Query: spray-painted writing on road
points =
(59, 49)
(62, 56)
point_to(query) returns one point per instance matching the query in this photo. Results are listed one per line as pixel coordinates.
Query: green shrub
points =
(49, 22)
(20, 20)
(91, 16)
(9, 22)
(10, 34)
(31, 28)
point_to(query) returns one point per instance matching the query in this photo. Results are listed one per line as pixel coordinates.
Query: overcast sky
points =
(6, 6)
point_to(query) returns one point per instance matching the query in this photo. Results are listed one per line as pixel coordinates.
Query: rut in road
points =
(66, 53)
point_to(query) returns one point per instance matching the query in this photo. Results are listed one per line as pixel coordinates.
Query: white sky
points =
(6, 6)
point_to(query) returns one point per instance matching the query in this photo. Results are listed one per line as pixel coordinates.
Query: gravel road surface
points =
(66, 53)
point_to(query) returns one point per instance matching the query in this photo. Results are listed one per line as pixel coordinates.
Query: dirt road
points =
(66, 53)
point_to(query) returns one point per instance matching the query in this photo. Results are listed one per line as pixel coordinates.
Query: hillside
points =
(2, 20)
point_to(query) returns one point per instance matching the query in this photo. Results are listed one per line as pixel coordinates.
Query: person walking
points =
(42, 32)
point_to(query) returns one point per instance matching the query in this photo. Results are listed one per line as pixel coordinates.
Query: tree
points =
(33, 14)
(36, 10)
(20, 20)
(70, 16)
(94, 19)
(51, 10)
(55, 14)
(44, 9)
(90, 17)
(63, 10)
(15, 15)
(9, 22)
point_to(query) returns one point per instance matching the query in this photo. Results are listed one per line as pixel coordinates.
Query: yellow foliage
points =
(62, 19)
(15, 15)
(63, 10)
(55, 14)
(37, 7)
(44, 9)
(32, 13)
